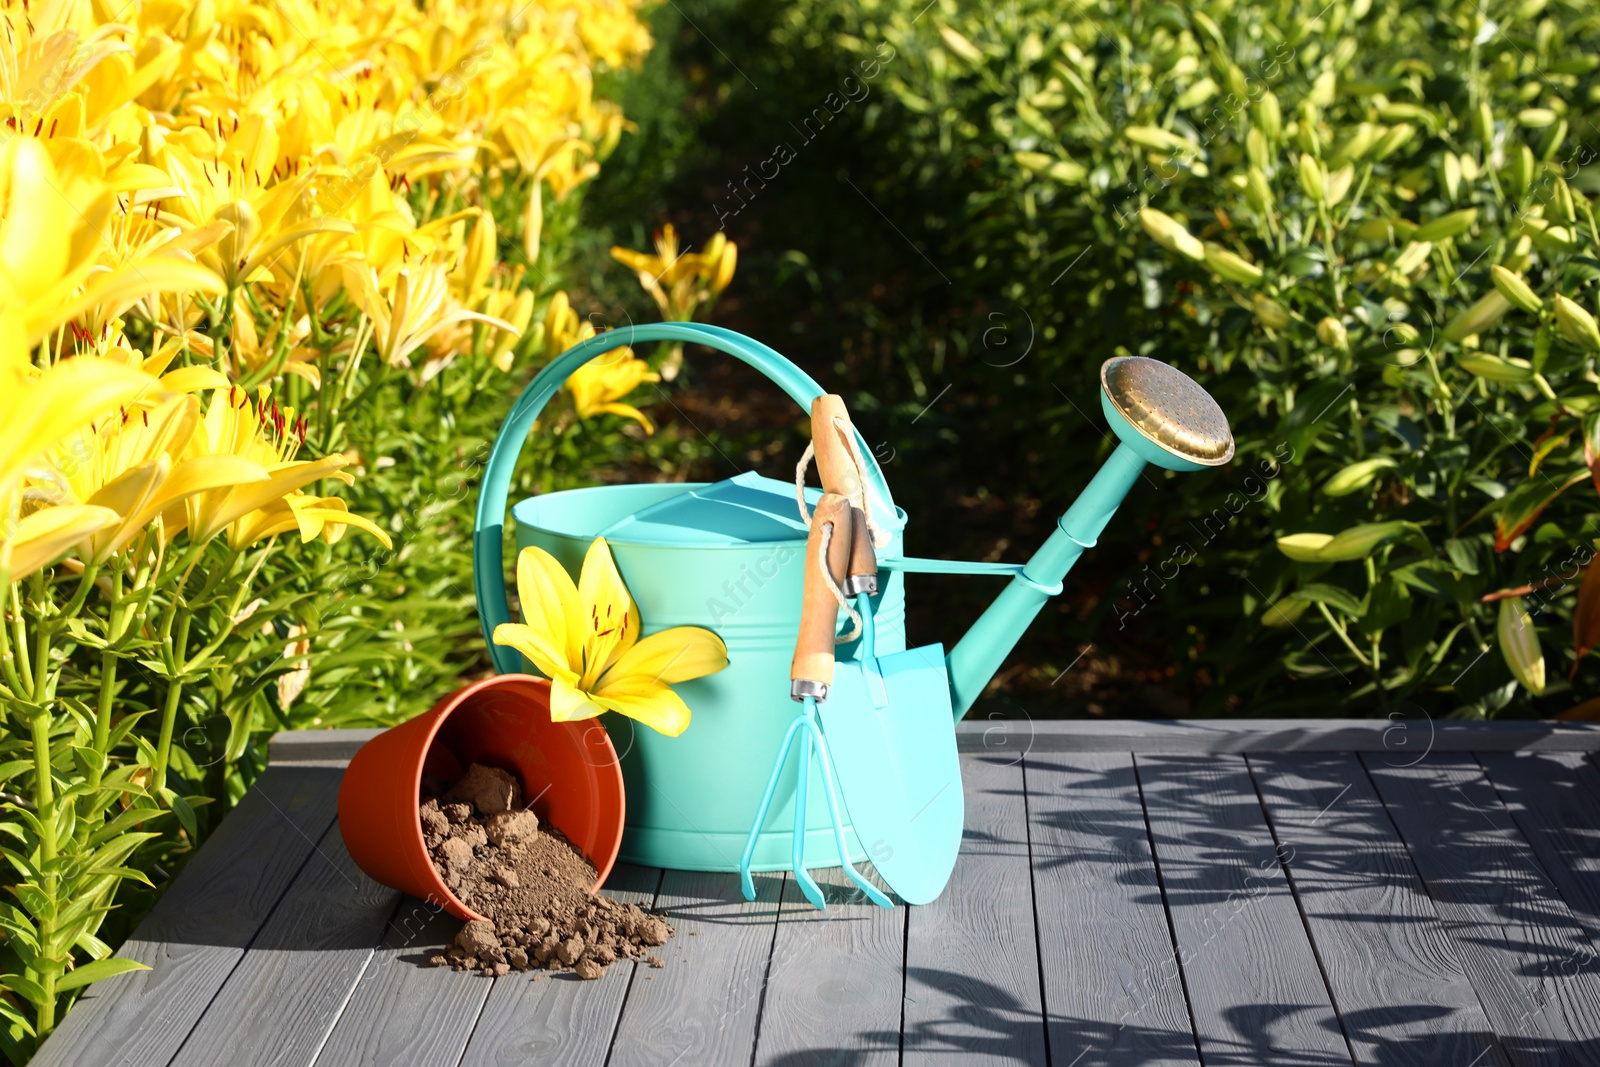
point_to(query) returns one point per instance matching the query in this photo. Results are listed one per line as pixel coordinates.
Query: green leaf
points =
(1339, 599)
(26, 988)
(1519, 644)
(185, 813)
(1517, 510)
(98, 970)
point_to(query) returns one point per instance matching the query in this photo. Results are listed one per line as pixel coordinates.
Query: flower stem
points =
(169, 711)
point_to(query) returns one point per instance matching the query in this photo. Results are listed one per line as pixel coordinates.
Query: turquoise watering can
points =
(730, 556)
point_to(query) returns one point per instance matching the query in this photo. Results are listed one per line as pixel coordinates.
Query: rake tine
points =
(808, 885)
(746, 884)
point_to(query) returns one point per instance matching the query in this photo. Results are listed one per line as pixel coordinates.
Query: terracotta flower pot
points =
(568, 769)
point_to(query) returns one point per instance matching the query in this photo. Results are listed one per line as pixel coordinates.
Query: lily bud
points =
(1331, 332)
(478, 257)
(1270, 313)
(1270, 115)
(1397, 138)
(1451, 225)
(1170, 234)
(1412, 256)
(1312, 177)
(1258, 191)
(1484, 313)
(1493, 368)
(1577, 325)
(1231, 267)
(725, 267)
(1514, 289)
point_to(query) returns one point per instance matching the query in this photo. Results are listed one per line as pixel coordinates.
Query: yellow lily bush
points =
(584, 637)
(224, 227)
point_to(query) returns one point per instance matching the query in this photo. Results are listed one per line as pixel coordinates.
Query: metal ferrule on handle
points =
(978, 655)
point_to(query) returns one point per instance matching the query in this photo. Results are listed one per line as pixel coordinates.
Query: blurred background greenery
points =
(938, 207)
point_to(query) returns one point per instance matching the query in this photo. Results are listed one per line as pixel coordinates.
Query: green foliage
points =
(1304, 213)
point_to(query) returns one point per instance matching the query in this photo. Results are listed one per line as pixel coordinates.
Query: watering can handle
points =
(488, 558)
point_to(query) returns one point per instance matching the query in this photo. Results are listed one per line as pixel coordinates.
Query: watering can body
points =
(728, 557)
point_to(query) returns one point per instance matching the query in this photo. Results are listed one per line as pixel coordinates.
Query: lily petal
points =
(568, 703)
(613, 624)
(657, 706)
(550, 604)
(43, 537)
(674, 655)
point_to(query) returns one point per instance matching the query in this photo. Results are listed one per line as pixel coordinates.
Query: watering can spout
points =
(1161, 416)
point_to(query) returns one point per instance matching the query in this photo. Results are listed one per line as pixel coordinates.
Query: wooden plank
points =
(1527, 957)
(403, 1012)
(1113, 993)
(299, 746)
(1255, 991)
(1554, 798)
(197, 932)
(281, 1001)
(702, 1006)
(1393, 970)
(972, 962)
(1169, 736)
(1194, 736)
(554, 1017)
(835, 988)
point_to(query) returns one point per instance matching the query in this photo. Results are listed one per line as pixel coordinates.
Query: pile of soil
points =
(530, 882)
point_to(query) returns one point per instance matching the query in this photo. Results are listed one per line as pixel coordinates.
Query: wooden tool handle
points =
(830, 425)
(863, 571)
(819, 611)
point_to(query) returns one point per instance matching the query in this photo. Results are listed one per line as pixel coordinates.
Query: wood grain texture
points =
(1396, 978)
(1113, 995)
(716, 961)
(972, 962)
(835, 986)
(1255, 990)
(283, 998)
(197, 932)
(553, 1017)
(1527, 957)
(1172, 736)
(1554, 798)
(1189, 736)
(403, 1012)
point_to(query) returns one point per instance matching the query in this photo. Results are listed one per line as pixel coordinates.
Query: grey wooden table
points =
(1219, 892)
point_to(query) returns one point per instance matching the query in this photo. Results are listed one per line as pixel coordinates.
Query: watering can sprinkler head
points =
(1162, 417)
(1163, 414)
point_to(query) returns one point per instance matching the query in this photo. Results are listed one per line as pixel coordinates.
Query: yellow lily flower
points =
(38, 408)
(585, 639)
(419, 307)
(126, 464)
(600, 384)
(261, 433)
(682, 282)
(50, 244)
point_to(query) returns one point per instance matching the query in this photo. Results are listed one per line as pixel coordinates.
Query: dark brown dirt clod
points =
(530, 883)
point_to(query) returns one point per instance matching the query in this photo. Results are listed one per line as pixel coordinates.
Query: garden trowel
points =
(888, 719)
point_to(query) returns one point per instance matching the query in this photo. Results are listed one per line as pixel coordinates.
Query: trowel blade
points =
(898, 768)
